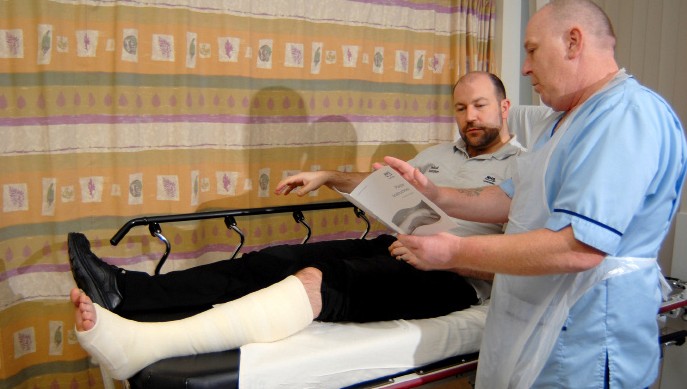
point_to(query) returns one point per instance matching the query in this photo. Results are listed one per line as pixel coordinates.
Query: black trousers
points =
(361, 282)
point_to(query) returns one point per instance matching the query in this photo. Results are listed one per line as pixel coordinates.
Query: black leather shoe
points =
(94, 276)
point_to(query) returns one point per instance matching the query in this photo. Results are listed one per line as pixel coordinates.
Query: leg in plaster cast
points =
(123, 347)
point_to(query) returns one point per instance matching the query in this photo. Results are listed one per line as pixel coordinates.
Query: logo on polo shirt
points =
(489, 180)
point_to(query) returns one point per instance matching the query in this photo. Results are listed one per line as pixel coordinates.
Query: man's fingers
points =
(420, 178)
(377, 165)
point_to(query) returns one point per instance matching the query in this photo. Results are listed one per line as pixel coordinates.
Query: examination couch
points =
(324, 354)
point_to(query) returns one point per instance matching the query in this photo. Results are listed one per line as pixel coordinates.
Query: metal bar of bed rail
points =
(146, 220)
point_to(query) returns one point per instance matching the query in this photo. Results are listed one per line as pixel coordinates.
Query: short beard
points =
(490, 135)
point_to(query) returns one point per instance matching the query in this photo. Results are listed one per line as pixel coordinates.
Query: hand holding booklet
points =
(387, 196)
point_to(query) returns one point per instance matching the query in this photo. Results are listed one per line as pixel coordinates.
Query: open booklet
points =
(392, 200)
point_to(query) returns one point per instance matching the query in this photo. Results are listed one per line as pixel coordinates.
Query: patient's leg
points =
(311, 278)
(222, 281)
(378, 288)
(124, 347)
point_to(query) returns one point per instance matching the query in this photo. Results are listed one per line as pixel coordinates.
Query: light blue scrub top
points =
(616, 177)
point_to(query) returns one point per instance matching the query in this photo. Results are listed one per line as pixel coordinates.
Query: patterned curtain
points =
(115, 109)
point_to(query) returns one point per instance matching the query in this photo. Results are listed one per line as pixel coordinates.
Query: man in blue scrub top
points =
(577, 290)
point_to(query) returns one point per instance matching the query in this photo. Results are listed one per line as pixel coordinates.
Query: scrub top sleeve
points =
(601, 179)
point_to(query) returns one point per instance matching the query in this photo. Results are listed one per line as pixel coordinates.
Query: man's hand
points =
(401, 253)
(305, 181)
(413, 176)
(434, 252)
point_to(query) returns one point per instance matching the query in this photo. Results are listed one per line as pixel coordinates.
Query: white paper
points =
(395, 202)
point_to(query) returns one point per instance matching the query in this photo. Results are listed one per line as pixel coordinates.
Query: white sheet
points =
(334, 355)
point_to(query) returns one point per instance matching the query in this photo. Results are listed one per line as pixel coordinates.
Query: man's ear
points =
(574, 42)
(505, 107)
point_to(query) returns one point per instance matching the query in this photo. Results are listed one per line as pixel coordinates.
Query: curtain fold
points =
(111, 110)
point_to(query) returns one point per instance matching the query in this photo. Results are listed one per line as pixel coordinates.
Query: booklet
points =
(392, 200)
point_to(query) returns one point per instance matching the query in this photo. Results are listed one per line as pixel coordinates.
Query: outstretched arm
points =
(487, 204)
(305, 182)
(536, 252)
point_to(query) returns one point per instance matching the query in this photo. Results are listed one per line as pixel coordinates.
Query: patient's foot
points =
(123, 347)
(109, 338)
(84, 310)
